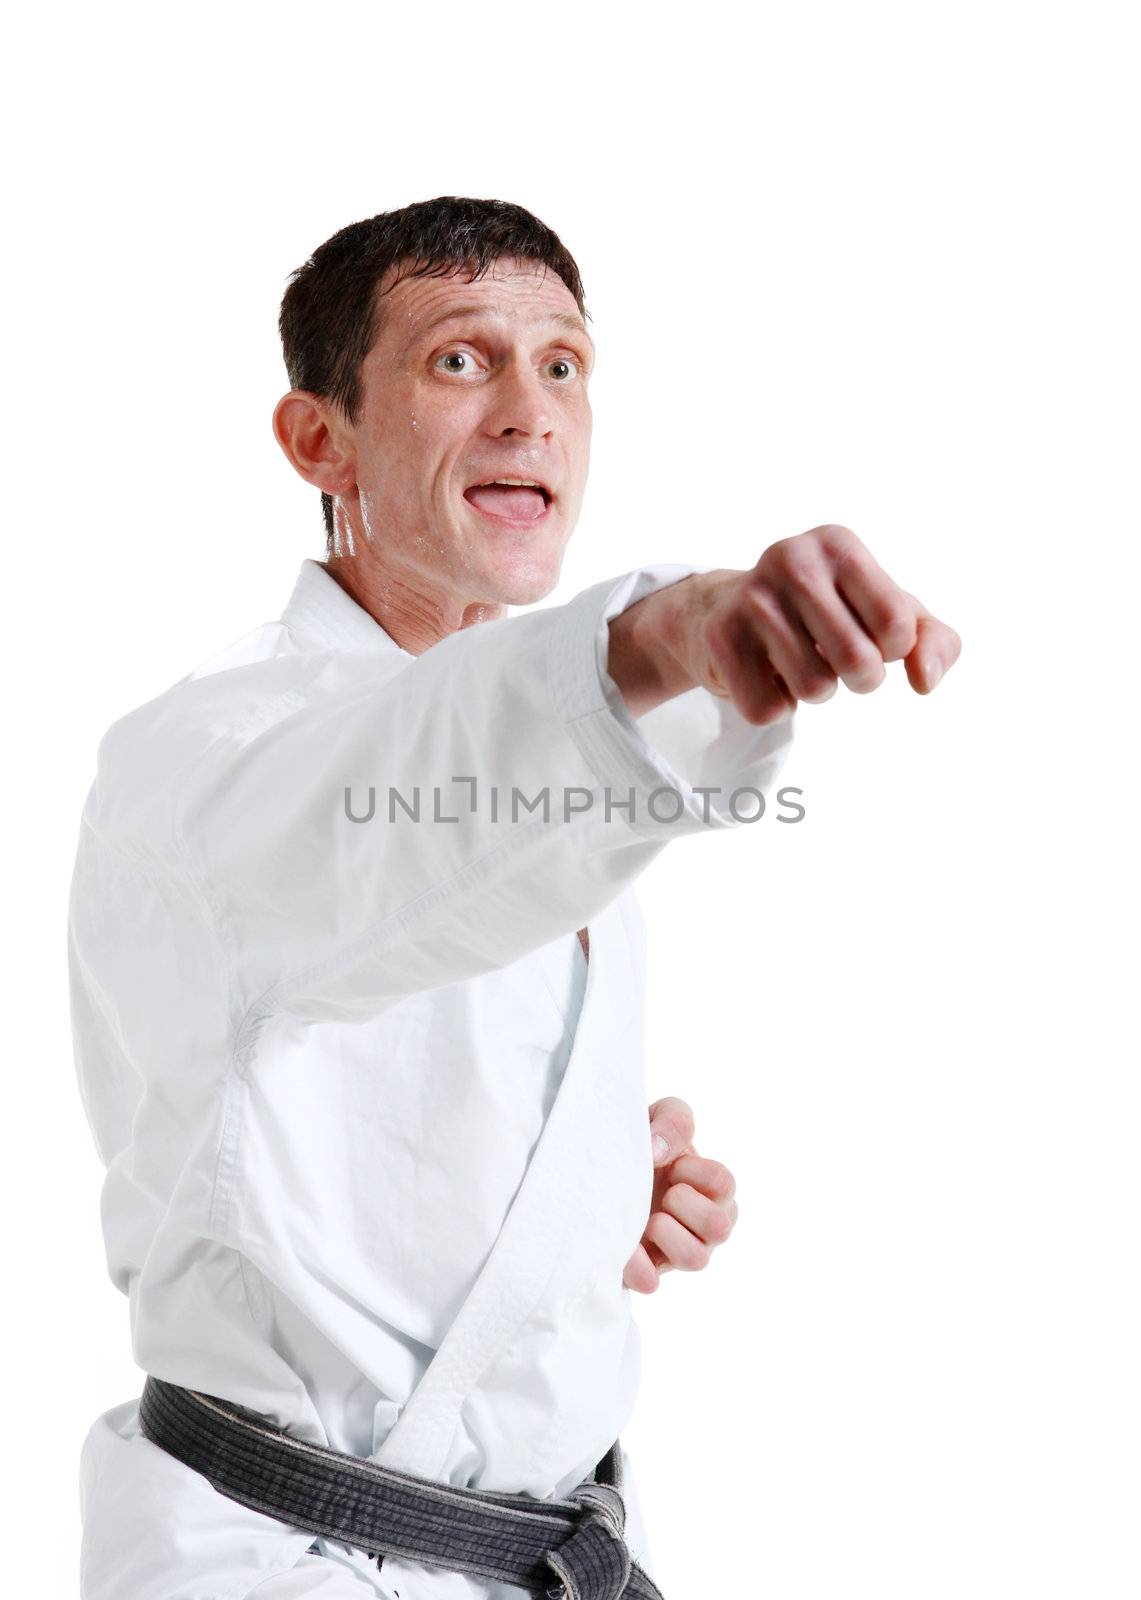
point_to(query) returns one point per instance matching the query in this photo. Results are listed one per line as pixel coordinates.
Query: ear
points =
(317, 441)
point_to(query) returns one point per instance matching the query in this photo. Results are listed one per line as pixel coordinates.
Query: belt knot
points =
(594, 1563)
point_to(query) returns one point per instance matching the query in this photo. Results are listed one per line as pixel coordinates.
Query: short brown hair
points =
(330, 317)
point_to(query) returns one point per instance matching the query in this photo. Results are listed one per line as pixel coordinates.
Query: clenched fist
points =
(692, 1210)
(816, 610)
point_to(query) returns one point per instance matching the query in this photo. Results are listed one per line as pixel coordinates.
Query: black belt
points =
(572, 1548)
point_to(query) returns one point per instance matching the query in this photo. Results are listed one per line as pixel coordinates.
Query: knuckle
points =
(801, 570)
(655, 1229)
(764, 604)
(897, 629)
(817, 685)
(854, 660)
(837, 539)
(678, 1198)
(866, 682)
(778, 550)
(799, 553)
(720, 1226)
(720, 1182)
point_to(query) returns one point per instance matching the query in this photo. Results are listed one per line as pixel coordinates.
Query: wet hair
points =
(330, 313)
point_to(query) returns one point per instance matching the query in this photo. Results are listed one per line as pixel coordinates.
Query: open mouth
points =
(515, 500)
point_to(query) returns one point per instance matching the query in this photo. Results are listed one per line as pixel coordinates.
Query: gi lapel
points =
(528, 1247)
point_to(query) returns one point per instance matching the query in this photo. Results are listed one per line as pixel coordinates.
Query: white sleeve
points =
(540, 800)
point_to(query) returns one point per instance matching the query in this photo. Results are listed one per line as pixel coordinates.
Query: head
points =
(432, 350)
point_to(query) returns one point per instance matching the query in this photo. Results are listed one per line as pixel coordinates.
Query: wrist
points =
(654, 649)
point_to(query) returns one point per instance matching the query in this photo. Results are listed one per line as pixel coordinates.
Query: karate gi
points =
(375, 1132)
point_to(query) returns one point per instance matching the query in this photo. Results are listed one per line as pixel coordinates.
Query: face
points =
(469, 382)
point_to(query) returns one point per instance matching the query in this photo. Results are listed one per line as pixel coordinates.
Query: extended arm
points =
(533, 786)
(816, 609)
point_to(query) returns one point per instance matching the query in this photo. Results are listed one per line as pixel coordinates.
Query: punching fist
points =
(815, 611)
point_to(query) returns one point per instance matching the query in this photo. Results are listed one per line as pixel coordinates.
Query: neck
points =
(415, 615)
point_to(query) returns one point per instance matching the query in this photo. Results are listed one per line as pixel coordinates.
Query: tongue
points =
(504, 501)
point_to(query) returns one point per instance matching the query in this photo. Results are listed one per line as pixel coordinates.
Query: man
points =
(372, 1111)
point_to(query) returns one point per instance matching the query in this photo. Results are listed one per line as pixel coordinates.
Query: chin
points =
(521, 578)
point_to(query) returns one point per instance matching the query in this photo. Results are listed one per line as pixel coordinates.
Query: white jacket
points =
(375, 1133)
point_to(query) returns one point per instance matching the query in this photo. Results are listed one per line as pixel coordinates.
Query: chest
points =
(401, 1144)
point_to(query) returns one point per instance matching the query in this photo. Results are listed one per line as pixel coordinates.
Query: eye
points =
(569, 369)
(456, 356)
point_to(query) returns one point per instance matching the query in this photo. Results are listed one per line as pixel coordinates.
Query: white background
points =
(871, 264)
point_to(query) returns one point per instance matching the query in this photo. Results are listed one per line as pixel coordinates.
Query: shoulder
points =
(154, 757)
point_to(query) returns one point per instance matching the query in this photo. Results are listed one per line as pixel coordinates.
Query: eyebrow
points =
(562, 318)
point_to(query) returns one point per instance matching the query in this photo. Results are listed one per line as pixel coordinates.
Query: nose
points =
(520, 403)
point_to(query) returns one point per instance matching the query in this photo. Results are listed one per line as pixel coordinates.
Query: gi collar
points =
(320, 612)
